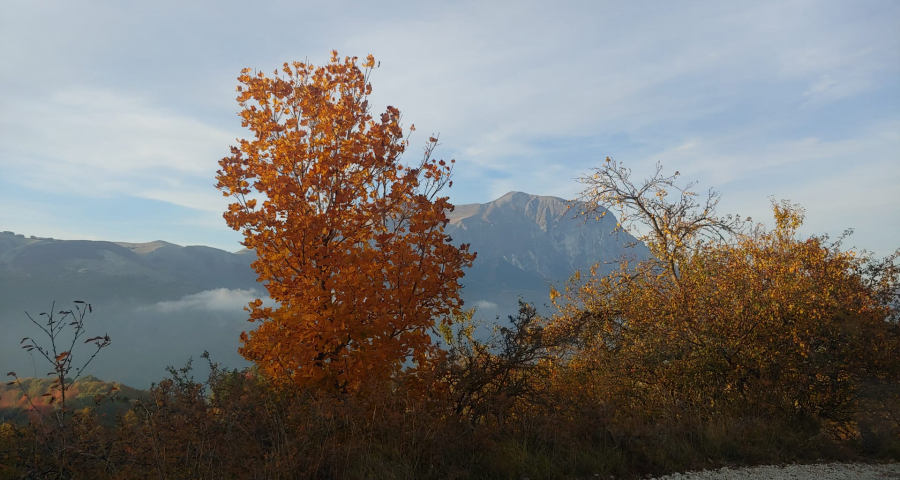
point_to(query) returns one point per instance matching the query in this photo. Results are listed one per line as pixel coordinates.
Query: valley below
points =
(163, 304)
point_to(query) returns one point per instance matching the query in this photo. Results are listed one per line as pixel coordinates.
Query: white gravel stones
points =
(829, 471)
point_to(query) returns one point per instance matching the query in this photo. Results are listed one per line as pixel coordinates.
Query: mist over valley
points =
(163, 303)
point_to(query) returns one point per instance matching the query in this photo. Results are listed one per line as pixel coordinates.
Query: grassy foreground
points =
(235, 425)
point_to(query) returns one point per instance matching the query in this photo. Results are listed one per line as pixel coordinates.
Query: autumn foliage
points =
(727, 317)
(349, 240)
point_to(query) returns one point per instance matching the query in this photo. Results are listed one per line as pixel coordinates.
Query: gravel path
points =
(830, 471)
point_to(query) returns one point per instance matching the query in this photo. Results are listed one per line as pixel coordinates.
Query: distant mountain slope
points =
(162, 302)
(38, 269)
(524, 242)
(18, 407)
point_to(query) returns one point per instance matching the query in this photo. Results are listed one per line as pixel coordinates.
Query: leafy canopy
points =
(350, 241)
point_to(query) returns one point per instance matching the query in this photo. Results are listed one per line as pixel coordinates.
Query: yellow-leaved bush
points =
(737, 319)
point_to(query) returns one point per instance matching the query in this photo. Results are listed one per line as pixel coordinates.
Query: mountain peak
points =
(512, 194)
(516, 196)
(143, 248)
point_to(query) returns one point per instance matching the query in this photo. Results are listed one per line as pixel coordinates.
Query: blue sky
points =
(113, 115)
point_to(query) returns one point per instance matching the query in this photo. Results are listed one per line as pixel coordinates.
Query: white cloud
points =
(831, 87)
(485, 305)
(103, 143)
(732, 158)
(498, 82)
(218, 300)
(111, 132)
(208, 201)
(842, 182)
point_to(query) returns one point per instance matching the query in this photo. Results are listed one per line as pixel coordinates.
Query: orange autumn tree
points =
(350, 242)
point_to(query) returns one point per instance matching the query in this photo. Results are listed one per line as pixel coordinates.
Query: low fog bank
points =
(146, 338)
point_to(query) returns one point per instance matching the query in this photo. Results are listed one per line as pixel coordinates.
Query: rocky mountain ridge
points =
(189, 298)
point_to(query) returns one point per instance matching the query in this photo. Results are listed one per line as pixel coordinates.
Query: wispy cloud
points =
(526, 95)
(732, 158)
(217, 300)
(103, 143)
(485, 305)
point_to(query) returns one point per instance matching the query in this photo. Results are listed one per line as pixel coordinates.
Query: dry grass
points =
(234, 425)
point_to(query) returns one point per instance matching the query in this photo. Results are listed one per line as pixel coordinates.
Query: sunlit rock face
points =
(526, 242)
(163, 303)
